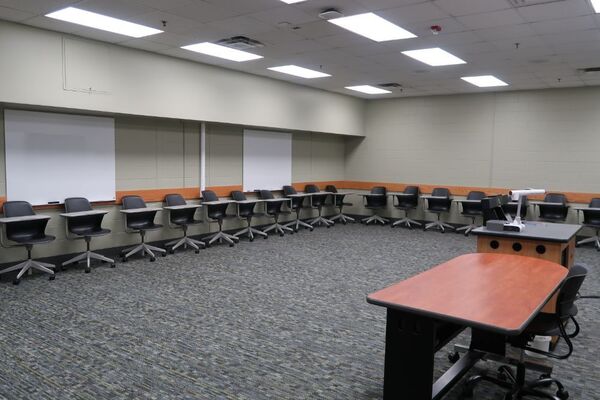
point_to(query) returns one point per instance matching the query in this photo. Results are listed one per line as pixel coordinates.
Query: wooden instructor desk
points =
(549, 241)
(495, 294)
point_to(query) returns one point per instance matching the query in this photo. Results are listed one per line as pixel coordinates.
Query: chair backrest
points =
(595, 203)
(17, 209)
(310, 188)
(470, 208)
(569, 290)
(442, 192)
(77, 204)
(409, 201)
(440, 204)
(174, 199)
(182, 217)
(133, 202)
(82, 224)
(265, 194)
(592, 217)
(289, 190)
(555, 198)
(331, 188)
(209, 195)
(238, 195)
(377, 201)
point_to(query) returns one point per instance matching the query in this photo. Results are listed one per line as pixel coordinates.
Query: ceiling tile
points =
(564, 25)
(37, 6)
(289, 14)
(114, 8)
(174, 23)
(11, 14)
(162, 5)
(555, 10)
(491, 19)
(466, 7)
(413, 13)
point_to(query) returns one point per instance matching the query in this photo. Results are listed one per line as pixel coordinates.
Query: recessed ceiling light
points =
(292, 1)
(225, 52)
(373, 27)
(484, 81)
(368, 89)
(434, 57)
(299, 71)
(596, 5)
(102, 22)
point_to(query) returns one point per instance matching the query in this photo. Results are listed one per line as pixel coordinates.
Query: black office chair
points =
(318, 201)
(544, 325)
(297, 206)
(338, 202)
(140, 223)
(26, 234)
(591, 219)
(273, 209)
(246, 211)
(438, 207)
(182, 218)
(406, 203)
(554, 212)
(218, 213)
(375, 201)
(86, 227)
(511, 208)
(472, 210)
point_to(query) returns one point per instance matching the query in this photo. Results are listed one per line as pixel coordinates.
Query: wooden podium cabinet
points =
(549, 241)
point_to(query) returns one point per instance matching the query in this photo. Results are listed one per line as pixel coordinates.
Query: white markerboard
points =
(50, 157)
(267, 160)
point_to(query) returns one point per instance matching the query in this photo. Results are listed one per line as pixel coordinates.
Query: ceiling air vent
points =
(330, 13)
(240, 43)
(527, 3)
(390, 85)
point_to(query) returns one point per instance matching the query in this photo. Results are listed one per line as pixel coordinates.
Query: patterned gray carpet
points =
(283, 318)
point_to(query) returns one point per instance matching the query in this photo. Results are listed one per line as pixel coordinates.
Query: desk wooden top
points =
(496, 292)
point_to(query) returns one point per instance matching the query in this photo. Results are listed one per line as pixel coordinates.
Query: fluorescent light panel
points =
(292, 1)
(216, 50)
(435, 57)
(596, 5)
(102, 22)
(299, 71)
(368, 89)
(484, 81)
(373, 27)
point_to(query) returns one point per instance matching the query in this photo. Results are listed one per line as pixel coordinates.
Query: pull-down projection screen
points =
(50, 157)
(267, 160)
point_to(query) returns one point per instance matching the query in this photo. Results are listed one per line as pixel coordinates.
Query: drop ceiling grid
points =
(555, 39)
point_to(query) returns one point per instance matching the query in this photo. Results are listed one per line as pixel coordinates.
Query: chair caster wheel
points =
(124, 259)
(197, 251)
(152, 259)
(265, 237)
(164, 254)
(328, 226)
(51, 278)
(466, 235)
(344, 222)
(171, 251)
(113, 265)
(292, 232)
(251, 239)
(231, 245)
(281, 234)
(467, 391)
(562, 394)
(453, 357)
(312, 229)
(88, 270)
(508, 396)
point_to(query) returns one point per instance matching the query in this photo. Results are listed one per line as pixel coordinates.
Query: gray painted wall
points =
(154, 153)
(52, 69)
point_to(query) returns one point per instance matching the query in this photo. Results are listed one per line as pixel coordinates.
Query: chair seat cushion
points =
(28, 239)
(187, 222)
(90, 231)
(543, 324)
(144, 226)
(473, 213)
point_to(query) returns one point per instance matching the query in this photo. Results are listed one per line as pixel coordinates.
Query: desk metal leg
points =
(409, 351)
